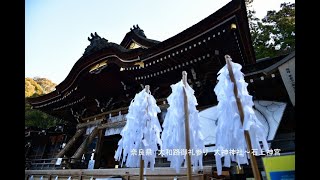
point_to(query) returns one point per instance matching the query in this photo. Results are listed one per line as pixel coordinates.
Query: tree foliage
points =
(33, 88)
(38, 86)
(273, 35)
(46, 84)
(36, 118)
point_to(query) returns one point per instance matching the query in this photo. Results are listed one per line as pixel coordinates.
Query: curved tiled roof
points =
(199, 50)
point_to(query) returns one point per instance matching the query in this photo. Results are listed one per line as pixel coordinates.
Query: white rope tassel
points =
(230, 131)
(141, 134)
(173, 135)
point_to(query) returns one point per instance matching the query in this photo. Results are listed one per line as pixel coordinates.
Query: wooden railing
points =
(44, 164)
(159, 173)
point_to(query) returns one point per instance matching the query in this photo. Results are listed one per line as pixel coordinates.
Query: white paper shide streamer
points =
(230, 140)
(141, 134)
(173, 135)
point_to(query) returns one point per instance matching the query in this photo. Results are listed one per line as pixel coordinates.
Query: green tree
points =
(33, 88)
(274, 35)
(39, 119)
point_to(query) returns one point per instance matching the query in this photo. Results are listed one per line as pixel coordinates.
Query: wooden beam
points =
(90, 123)
(101, 115)
(112, 125)
(123, 110)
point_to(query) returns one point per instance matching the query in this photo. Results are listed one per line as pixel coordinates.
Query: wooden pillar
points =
(70, 143)
(187, 128)
(99, 147)
(141, 168)
(147, 88)
(83, 147)
(253, 160)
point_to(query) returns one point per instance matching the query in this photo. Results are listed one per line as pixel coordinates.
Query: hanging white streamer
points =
(230, 131)
(173, 135)
(141, 134)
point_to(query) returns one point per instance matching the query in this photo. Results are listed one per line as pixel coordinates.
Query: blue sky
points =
(56, 31)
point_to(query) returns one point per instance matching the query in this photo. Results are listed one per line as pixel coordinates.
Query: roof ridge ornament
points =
(96, 43)
(94, 37)
(138, 30)
(135, 27)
